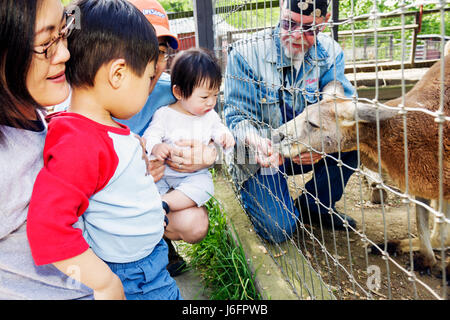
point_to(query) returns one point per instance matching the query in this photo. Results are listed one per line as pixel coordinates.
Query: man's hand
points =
(307, 158)
(192, 156)
(265, 156)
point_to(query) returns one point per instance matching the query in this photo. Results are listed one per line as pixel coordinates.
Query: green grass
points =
(221, 262)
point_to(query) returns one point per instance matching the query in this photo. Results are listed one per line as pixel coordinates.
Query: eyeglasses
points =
(49, 49)
(163, 56)
(290, 25)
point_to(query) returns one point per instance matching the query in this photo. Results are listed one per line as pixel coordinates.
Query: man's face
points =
(161, 64)
(294, 42)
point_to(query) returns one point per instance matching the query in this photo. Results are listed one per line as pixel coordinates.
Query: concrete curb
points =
(270, 281)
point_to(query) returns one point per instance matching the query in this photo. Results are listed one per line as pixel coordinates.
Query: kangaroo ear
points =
(333, 87)
(368, 112)
(345, 111)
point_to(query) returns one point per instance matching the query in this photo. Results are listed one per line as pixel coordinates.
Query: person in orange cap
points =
(190, 225)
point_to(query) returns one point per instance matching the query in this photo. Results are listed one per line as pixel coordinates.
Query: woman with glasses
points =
(33, 53)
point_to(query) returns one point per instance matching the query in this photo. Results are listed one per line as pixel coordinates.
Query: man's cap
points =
(155, 13)
(307, 7)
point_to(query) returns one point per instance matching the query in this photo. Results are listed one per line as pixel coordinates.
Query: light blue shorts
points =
(148, 278)
(197, 186)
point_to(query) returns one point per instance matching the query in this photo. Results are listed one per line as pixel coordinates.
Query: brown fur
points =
(423, 138)
(423, 147)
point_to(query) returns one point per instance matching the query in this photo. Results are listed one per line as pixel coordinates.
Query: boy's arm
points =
(219, 128)
(75, 167)
(93, 273)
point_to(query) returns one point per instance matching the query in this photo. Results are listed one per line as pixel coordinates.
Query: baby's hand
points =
(227, 140)
(161, 151)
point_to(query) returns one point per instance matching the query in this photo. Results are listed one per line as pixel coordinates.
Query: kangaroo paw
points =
(423, 264)
(439, 273)
(375, 197)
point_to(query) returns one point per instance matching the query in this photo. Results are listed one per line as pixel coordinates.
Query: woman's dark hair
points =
(194, 67)
(108, 30)
(17, 33)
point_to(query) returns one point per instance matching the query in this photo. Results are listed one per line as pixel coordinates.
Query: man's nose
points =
(296, 34)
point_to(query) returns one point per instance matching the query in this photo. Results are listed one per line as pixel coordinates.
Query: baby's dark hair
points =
(108, 30)
(194, 67)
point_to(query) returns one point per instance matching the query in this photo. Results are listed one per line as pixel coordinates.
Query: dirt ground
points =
(355, 256)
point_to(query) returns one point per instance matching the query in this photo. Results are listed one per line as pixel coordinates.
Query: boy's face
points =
(202, 100)
(135, 91)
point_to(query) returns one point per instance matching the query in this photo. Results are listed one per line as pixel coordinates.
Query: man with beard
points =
(269, 80)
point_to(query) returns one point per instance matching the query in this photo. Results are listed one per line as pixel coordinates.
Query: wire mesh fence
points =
(326, 255)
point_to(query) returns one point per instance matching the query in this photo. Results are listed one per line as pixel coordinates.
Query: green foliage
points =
(268, 16)
(177, 5)
(221, 261)
(431, 23)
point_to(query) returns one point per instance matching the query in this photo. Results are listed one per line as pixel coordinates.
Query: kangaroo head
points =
(327, 126)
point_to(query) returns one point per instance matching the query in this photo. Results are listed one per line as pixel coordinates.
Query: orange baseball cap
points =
(155, 13)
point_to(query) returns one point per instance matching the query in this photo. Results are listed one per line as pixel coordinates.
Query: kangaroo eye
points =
(312, 124)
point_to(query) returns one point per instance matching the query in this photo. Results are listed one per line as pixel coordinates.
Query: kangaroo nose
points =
(277, 137)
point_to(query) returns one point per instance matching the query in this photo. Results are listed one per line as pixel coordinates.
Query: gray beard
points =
(296, 58)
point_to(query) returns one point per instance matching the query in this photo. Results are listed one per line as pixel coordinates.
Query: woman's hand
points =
(156, 169)
(161, 151)
(192, 156)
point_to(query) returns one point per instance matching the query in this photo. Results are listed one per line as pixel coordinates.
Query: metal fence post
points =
(335, 18)
(203, 16)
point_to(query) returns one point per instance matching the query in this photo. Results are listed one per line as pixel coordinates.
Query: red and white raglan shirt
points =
(96, 173)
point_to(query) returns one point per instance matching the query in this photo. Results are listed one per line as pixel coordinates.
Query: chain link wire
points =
(319, 263)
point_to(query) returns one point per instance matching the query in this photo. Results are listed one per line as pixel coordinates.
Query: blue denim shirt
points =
(263, 90)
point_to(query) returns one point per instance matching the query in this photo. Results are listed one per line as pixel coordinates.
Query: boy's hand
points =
(161, 151)
(93, 273)
(265, 155)
(114, 291)
(227, 140)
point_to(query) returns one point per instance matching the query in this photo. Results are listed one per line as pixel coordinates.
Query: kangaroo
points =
(331, 124)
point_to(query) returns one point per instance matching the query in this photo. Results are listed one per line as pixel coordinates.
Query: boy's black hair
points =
(194, 67)
(108, 30)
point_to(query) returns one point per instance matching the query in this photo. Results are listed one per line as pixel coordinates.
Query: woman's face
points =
(46, 79)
